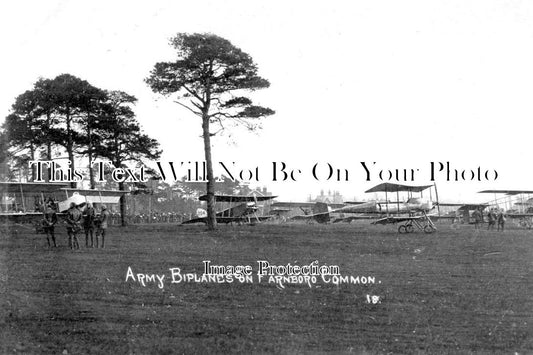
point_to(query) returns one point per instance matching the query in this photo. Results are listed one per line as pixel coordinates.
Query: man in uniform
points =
(49, 221)
(477, 216)
(492, 219)
(501, 220)
(88, 224)
(74, 219)
(103, 222)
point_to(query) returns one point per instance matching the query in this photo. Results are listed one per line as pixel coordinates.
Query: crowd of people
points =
(87, 220)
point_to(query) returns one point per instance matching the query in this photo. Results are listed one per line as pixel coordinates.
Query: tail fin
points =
(321, 212)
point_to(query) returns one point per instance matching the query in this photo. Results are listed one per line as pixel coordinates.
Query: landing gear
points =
(406, 228)
(422, 223)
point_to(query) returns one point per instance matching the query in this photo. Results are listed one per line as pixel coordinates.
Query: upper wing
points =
(237, 198)
(390, 187)
(508, 192)
(88, 192)
(292, 204)
(31, 187)
(464, 206)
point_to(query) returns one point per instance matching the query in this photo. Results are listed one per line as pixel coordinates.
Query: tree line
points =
(67, 115)
(70, 118)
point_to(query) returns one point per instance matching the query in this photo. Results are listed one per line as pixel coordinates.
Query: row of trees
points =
(68, 116)
(209, 78)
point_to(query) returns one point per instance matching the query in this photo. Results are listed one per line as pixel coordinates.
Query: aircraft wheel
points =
(402, 229)
(409, 229)
(429, 229)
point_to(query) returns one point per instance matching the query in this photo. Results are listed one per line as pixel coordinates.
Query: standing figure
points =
(103, 222)
(492, 219)
(501, 220)
(477, 215)
(49, 221)
(89, 215)
(74, 219)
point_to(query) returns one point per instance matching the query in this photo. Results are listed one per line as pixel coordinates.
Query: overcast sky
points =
(399, 83)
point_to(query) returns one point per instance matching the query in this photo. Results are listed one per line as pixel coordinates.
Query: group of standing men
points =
(494, 216)
(93, 225)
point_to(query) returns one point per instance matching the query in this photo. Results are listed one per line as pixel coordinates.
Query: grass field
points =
(456, 291)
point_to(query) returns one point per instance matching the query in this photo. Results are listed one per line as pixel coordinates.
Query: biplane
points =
(23, 202)
(519, 202)
(412, 213)
(242, 209)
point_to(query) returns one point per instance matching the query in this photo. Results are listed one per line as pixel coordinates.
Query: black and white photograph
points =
(244, 177)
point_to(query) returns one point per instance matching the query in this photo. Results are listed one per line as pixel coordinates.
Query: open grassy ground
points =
(455, 291)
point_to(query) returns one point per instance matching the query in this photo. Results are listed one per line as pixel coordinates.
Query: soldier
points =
(49, 221)
(477, 216)
(501, 220)
(89, 215)
(74, 219)
(492, 219)
(102, 225)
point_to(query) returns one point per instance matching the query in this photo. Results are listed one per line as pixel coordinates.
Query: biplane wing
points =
(307, 204)
(391, 187)
(293, 204)
(507, 192)
(238, 198)
(31, 187)
(464, 206)
(83, 196)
